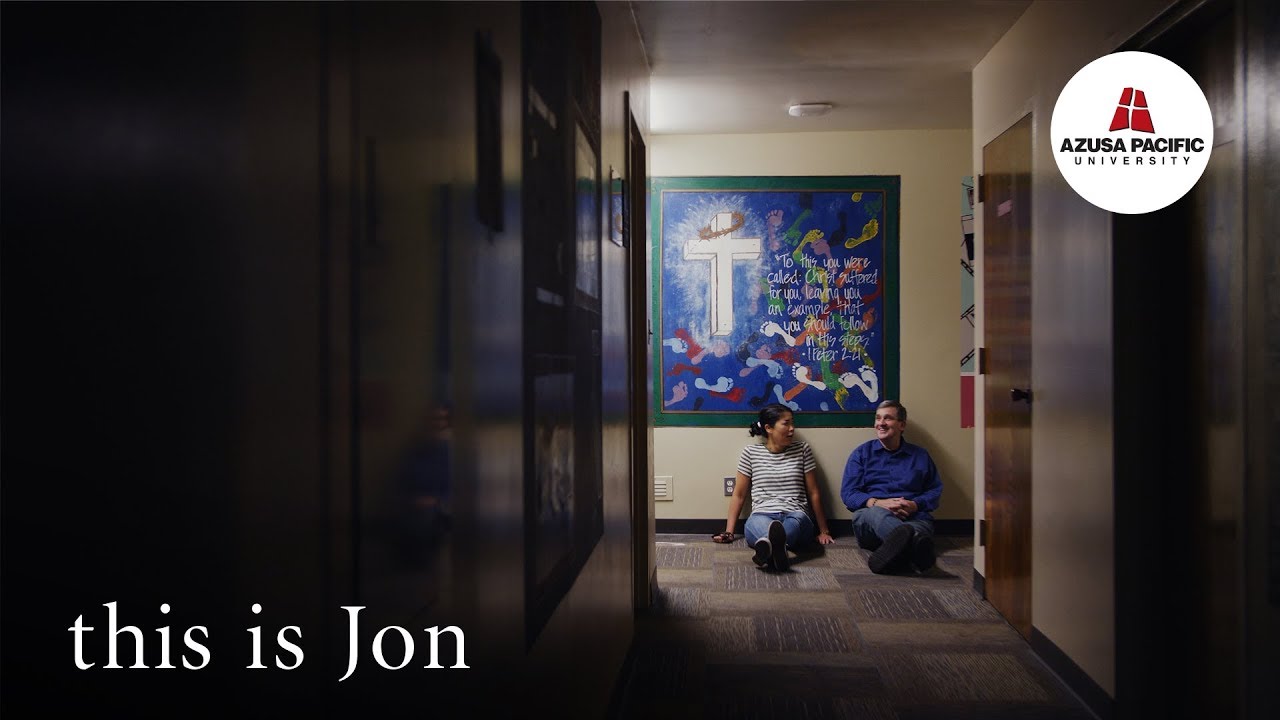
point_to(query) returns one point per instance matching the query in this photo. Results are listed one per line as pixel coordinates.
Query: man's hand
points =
(900, 507)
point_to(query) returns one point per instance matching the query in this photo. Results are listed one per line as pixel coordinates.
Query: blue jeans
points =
(872, 525)
(799, 527)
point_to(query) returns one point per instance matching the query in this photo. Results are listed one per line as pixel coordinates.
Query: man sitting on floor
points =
(891, 486)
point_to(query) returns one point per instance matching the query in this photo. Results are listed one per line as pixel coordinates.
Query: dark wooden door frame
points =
(636, 238)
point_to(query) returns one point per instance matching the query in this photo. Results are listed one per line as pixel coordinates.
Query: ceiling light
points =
(809, 109)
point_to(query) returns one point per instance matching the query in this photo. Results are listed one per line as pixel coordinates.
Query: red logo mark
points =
(1135, 101)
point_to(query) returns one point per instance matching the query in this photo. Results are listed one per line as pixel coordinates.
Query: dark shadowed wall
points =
(259, 346)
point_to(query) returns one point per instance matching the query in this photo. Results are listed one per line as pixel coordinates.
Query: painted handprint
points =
(679, 392)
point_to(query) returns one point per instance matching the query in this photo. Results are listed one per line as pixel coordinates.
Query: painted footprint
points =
(773, 220)
(812, 236)
(802, 375)
(719, 348)
(722, 384)
(677, 345)
(771, 328)
(758, 401)
(777, 392)
(681, 367)
(868, 383)
(693, 347)
(775, 369)
(869, 231)
(734, 396)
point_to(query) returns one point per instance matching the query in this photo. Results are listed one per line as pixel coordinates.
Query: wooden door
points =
(1007, 312)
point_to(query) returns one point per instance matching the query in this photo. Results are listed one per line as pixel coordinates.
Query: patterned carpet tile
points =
(813, 602)
(756, 680)
(961, 678)
(680, 556)
(852, 559)
(788, 706)
(750, 578)
(935, 635)
(662, 672)
(727, 636)
(816, 578)
(934, 578)
(898, 603)
(681, 602)
(671, 577)
(829, 639)
(965, 604)
(805, 634)
(864, 578)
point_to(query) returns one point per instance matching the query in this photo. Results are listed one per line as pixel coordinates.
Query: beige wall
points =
(931, 164)
(1073, 591)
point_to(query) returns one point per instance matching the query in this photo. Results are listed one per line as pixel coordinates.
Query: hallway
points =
(317, 306)
(852, 645)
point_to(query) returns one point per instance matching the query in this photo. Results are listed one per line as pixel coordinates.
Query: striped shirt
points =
(777, 479)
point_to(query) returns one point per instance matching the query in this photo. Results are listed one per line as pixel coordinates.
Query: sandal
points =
(723, 538)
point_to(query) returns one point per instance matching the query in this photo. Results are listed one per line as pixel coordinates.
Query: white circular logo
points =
(1131, 132)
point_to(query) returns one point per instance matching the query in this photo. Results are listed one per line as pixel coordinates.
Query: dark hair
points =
(769, 415)
(901, 409)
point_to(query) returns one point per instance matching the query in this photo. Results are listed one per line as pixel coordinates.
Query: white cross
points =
(727, 249)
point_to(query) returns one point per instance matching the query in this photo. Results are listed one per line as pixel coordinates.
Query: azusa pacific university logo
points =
(1131, 167)
(1134, 101)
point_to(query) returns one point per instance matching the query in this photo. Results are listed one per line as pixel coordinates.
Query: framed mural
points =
(563, 196)
(774, 289)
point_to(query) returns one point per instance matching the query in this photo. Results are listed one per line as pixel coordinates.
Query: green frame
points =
(890, 185)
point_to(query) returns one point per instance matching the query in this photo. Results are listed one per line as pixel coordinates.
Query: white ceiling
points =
(735, 67)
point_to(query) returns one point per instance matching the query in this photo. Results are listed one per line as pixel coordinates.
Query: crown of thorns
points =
(707, 233)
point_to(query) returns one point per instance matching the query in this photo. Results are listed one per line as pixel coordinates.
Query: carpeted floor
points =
(829, 639)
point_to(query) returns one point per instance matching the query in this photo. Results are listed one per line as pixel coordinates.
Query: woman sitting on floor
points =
(785, 504)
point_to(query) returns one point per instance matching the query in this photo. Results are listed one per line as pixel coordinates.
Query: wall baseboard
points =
(1089, 692)
(701, 526)
(979, 584)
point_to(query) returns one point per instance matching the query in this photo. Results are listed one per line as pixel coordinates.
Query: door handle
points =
(1016, 394)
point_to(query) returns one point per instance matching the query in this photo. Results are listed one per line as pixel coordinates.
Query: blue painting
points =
(774, 289)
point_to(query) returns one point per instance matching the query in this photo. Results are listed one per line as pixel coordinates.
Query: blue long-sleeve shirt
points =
(908, 472)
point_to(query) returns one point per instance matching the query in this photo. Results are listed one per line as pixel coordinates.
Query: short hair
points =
(902, 409)
(769, 416)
